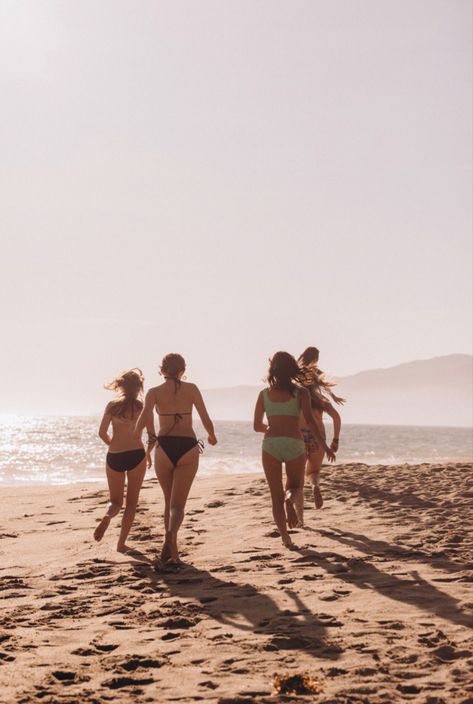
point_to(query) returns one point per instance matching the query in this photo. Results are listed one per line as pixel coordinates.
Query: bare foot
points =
(287, 542)
(295, 507)
(318, 498)
(166, 551)
(99, 532)
(124, 548)
(291, 515)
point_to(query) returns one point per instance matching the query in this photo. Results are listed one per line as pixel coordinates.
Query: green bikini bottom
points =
(284, 449)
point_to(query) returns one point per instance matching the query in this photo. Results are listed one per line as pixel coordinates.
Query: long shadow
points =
(230, 603)
(416, 591)
(383, 549)
(405, 499)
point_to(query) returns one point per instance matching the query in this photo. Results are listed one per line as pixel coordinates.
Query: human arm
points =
(146, 420)
(204, 416)
(309, 419)
(338, 399)
(337, 424)
(104, 426)
(258, 425)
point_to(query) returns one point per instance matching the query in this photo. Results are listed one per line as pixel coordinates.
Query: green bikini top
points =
(281, 408)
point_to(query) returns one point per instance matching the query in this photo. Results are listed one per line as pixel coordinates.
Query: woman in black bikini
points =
(126, 455)
(177, 450)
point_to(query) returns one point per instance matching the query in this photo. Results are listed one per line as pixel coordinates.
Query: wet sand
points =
(375, 605)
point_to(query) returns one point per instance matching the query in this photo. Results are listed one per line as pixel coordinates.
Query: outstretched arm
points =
(258, 424)
(309, 419)
(104, 426)
(204, 416)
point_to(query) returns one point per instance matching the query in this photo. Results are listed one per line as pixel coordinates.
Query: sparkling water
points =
(67, 449)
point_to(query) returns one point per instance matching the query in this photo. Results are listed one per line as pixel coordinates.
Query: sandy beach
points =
(374, 606)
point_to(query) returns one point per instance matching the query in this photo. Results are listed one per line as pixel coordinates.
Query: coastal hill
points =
(436, 391)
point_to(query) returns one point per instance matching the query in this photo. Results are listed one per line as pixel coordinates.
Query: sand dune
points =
(375, 605)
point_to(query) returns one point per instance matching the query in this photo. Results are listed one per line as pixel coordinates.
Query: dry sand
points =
(374, 605)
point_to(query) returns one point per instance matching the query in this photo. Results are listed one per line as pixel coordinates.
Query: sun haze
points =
(229, 179)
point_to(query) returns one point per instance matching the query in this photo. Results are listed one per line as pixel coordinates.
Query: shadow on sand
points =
(415, 591)
(243, 607)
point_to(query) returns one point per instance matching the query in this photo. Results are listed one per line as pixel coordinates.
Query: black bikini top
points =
(178, 415)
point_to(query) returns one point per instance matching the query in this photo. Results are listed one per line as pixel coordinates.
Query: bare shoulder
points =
(190, 387)
(152, 392)
(108, 408)
(194, 394)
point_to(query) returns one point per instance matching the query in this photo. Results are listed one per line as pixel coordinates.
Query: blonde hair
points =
(129, 388)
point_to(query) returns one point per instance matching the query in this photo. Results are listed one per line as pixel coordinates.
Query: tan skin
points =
(175, 481)
(315, 459)
(124, 437)
(286, 426)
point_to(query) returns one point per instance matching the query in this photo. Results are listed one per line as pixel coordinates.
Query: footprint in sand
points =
(215, 504)
(140, 662)
(6, 657)
(120, 682)
(265, 556)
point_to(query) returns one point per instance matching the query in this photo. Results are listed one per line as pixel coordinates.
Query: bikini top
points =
(178, 415)
(281, 408)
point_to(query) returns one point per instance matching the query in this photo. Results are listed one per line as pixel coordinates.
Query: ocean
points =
(66, 449)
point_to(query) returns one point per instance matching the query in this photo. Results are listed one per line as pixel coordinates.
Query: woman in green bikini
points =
(282, 402)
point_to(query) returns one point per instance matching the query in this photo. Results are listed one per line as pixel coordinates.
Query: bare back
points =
(124, 436)
(173, 404)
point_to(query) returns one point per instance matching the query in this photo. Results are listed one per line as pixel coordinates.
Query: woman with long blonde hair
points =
(321, 396)
(126, 457)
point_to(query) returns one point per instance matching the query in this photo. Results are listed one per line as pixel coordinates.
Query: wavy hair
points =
(284, 372)
(129, 388)
(314, 378)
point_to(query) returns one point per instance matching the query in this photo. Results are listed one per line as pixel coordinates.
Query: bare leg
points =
(273, 472)
(134, 481)
(116, 484)
(184, 474)
(165, 473)
(295, 490)
(175, 483)
(313, 467)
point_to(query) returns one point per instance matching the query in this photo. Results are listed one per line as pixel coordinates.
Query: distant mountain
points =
(436, 391)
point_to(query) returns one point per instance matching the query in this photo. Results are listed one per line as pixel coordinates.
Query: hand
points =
(330, 454)
(149, 461)
(212, 440)
(334, 445)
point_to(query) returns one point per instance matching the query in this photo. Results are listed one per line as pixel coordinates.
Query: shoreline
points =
(209, 475)
(375, 605)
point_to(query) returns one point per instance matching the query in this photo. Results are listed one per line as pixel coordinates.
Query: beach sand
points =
(375, 605)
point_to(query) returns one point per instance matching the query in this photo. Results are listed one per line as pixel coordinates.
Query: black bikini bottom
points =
(125, 461)
(175, 446)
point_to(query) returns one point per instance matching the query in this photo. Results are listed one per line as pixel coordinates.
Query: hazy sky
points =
(227, 178)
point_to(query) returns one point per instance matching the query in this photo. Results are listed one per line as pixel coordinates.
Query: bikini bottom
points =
(311, 444)
(283, 449)
(125, 461)
(175, 446)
